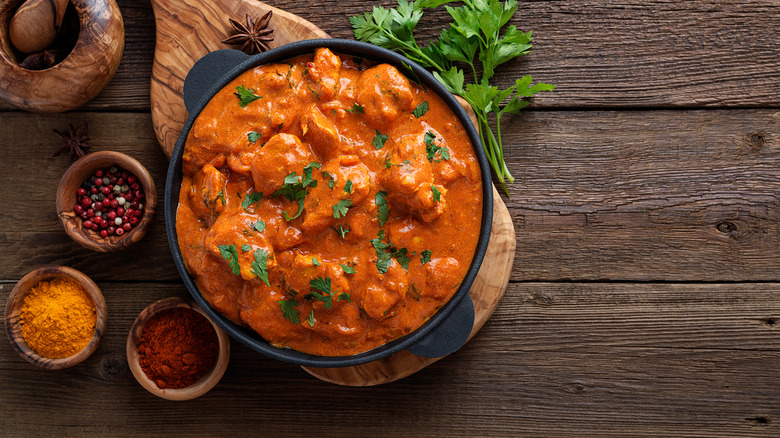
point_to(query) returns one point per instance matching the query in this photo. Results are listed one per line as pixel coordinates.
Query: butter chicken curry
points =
(330, 205)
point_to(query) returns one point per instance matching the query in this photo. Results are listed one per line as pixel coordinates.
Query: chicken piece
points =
(207, 193)
(441, 278)
(281, 155)
(384, 291)
(318, 204)
(384, 93)
(324, 71)
(303, 270)
(408, 177)
(321, 133)
(229, 232)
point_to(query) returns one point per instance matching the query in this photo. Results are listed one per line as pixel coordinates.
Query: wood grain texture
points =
(188, 30)
(600, 53)
(623, 196)
(486, 292)
(80, 76)
(577, 359)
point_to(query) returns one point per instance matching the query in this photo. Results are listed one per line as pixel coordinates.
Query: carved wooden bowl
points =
(13, 325)
(202, 386)
(66, 200)
(80, 76)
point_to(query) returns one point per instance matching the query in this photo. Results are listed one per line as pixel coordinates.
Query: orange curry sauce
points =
(356, 122)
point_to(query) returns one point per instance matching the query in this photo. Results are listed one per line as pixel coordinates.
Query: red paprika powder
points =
(178, 346)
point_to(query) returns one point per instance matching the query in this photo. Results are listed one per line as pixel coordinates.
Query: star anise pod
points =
(253, 36)
(74, 141)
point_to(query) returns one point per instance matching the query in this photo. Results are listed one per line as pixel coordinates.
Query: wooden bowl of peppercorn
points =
(112, 184)
(175, 351)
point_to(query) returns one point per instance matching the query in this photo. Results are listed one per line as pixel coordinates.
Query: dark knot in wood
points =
(727, 227)
(756, 140)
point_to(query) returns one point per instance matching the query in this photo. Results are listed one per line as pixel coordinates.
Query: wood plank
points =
(658, 195)
(577, 359)
(635, 196)
(615, 53)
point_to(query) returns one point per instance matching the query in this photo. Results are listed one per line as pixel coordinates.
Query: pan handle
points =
(207, 71)
(450, 334)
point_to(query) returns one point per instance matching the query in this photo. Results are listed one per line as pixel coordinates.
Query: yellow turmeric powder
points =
(58, 318)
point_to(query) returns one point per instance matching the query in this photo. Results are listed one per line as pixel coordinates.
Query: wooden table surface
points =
(645, 294)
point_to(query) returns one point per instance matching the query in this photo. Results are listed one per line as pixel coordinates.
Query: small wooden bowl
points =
(13, 325)
(198, 388)
(76, 174)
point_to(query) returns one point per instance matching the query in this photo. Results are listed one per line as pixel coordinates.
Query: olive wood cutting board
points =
(189, 29)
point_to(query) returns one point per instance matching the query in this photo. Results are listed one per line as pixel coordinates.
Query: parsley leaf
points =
(229, 253)
(379, 140)
(348, 186)
(245, 96)
(341, 230)
(314, 261)
(385, 252)
(436, 193)
(323, 285)
(250, 199)
(310, 319)
(288, 310)
(308, 178)
(425, 256)
(288, 218)
(259, 265)
(253, 136)
(383, 210)
(345, 297)
(347, 269)
(420, 110)
(356, 108)
(340, 208)
(246, 247)
(259, 226)
(431, 148)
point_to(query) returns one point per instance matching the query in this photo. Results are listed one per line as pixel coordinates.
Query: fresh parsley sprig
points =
(473, 37)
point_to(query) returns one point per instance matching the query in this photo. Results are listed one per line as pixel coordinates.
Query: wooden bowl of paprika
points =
(55, 317)
(78, 175)
(175, 351)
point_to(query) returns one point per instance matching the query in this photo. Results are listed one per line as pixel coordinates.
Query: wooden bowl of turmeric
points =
(55, 317)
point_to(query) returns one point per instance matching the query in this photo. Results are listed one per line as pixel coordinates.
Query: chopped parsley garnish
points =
(259, 226)
(288, 310)
(323, 284)
(385, 252)
(348, 186)
(356, 108)
(431, 149)
(425, 256)
(340, 208)
(310, 319)
(347, 269)
(341, 230)
(295, 190)
(331, 181)
(388, 164)
(245, 96)
(308, 178)
(379, 140)
(420, 110)
(221, 194)
(246, 247)
(253, 136)
(259, 266)
(314, 261)
(436, 193)
(281, 126)
(250, 199)
(230, 254)
(383, 209)
(313, 91)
